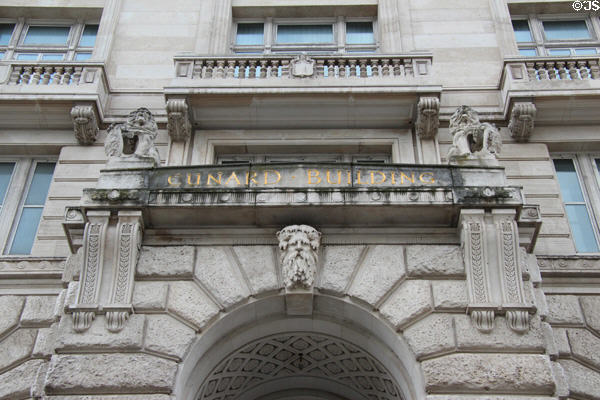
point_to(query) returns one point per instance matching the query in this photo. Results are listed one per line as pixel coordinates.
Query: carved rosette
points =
(522, 119)
(178, 124)
(428, 121)
(85, 124)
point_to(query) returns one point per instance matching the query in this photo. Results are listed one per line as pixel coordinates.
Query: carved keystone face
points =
(298, 244)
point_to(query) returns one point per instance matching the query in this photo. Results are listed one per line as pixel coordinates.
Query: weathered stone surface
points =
(492, 373)
(44, 343)
(431, 335)
(71, 297)
(501, 338)
(450, 295)
(563, 310)
(484, 397)
(382, 268)
(150, 295)
(562, 384)
(166, 335)
(434, 260)
(583, 381)
(591, 311)
(39, 310)
(116, 397)
(73, 266)
(187, 300)
(585, 346)
(168, 261)
(110, 373)
(338, 264)
(562, 342)
(16, 347)
(215, 272)
(258, 263)
(410, 300)
(11, 307)
(98, 337)
(17, 382)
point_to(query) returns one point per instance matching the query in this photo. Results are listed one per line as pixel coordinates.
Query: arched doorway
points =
(340, 352)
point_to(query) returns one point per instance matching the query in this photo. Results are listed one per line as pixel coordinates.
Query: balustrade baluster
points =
(57, 76)
(220, 69)
(374, 68)
(197, 69)
(37, 75)
(252, 69)
(26, 76)
(551, 68)
(594, 69)
(46, 74)
(331, 68)
(230, 69)
(541, 71)
(242, 69)
(208, 74)
(531, 72)
(15, 75)
(396, 67)
(573, 72)
(562, 72)
(285, 67)
(352, 67)
(320, 72)
(583, 69)
(385, 68)
(408, 67)
(342, 68)
(72, 75)
(264, 65)
(362, 68)
(274, 71)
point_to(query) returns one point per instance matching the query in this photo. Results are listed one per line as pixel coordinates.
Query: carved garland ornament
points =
(298, 245)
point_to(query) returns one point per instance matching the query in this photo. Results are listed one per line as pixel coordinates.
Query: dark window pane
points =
(568, 181)
(26, 230)
(38, 189)
(88, 38)
(522, 33)
(359, 33)
(581, 227)
(6, 170)
(6, 31)
(250, 34)
(49, 35)
(304, 34)
(556, 30)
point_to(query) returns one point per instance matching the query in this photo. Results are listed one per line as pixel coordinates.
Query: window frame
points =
(270, 29)
(14, 201)
(542, 45)
(69, 51)
(232, 158)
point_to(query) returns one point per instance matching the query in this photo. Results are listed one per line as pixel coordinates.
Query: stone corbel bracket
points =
(522, 117)
(101, 268)
(490, 243)
(85, 123)
(428, 121)
(179, 123)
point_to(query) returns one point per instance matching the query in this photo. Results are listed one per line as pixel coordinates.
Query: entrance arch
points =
(340, 352)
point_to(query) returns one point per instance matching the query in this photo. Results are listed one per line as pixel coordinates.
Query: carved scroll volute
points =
(510, 270)
(428, 121)
(127, 249)
(178, 123)
(473, 242)
(91, 274)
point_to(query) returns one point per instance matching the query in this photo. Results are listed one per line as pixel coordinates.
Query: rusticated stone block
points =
(382, 268)
(17, 382)
(167, 335)
(73, 266)
(585, 346)
(484, 397)
(215, 272)
(39, 310)
(562, 342)
(170, 261)
(434, 260)
(187, 300)
(583, 382)
(338, 264)
(411, 300)
(44, 343)
(150, 295)
(591, 311)
(562, 384)
(258, 263)
(450, 295)
(564, 310)
(116, 397)
(432, 335)
(100, 338)
(16, 347)
(11, 307)
(489, 373)
(501, 338)
(71, 296)
(110, 374)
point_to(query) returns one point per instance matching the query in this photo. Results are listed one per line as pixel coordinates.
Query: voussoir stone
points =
(382, 268)
(164, 334)
(150, 295)
(490, 373)
(170, 261)
(110, 374)
(11, 307)
(190, 303)
(258, 263)
(338, 264)
(215, 272)
(583, 381)
(39, 310)
(585, 346)
(411, 300)
(433, 334)
(450, 295)
(564, 309)
(17, 382)
(591, 310)
(424, 260)
(98, 337)
(17, 346)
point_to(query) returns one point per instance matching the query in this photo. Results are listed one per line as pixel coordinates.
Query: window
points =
(319, 157)
(577, 198)
(550, 36)
(24, 187)
(311, 35)
(33, 40)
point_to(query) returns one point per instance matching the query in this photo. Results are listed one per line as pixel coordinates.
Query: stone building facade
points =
(298, 199)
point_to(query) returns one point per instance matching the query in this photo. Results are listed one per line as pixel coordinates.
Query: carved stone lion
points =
(299, 245)
(472, 138)
(134, 138)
